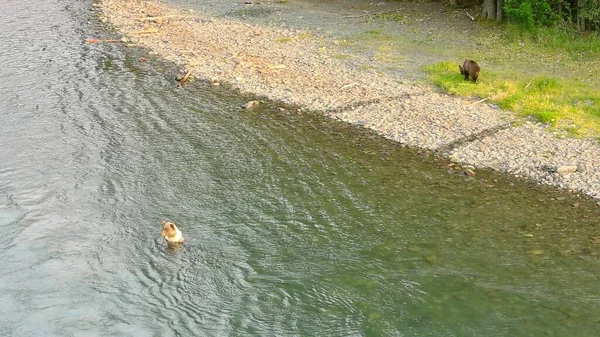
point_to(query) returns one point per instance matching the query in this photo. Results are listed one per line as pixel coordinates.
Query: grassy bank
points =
(551, 75)
(569, 99)
(564, 103)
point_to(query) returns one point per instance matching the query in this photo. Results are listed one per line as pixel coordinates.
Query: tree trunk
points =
(499, 9)
(560, 9)
(580, 20)
(489, 9)
(578, 16)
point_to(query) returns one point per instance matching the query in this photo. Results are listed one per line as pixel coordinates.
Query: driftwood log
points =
(473, 18)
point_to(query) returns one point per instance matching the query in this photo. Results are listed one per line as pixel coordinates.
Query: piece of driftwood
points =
(470, 16)
(161, 18)
(473, 18)
(148, 31)
(90, 41)
(483, 100)
(349, 85)
(185, 78)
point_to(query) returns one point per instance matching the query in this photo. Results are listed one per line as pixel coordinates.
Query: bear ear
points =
(172, 226)
(164, 222)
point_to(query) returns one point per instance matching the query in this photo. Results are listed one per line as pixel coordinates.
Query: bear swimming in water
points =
(171, 232)
(470, 68)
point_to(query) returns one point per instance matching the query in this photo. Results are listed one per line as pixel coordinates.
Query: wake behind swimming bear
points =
(171, 232)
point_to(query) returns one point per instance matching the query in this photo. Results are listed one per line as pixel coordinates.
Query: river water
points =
(294, 225)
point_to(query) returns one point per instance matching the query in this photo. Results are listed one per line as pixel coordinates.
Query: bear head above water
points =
(170, 232)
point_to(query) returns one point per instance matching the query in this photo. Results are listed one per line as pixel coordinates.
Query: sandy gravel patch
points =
(293, 67)
(426, 120)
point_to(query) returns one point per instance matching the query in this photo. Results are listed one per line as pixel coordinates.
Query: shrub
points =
(529, 13)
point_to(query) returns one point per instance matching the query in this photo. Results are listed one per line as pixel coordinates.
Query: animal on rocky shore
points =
(470, 68)
(170, 232)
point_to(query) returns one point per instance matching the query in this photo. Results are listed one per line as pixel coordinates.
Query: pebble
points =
(564, 170)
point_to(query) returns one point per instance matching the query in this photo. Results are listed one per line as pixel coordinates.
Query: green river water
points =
(294, 225)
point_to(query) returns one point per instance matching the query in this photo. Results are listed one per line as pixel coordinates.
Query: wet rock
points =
(581, 167)
(469, 172)
(252, 105)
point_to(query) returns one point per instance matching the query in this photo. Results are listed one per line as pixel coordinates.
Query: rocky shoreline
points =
(299, 68)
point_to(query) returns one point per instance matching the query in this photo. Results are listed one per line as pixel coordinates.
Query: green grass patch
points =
(376, 35)
(395, 16)
(551, 74)
(284, 40)
(387, 53)
(567, 104)
(342, 56)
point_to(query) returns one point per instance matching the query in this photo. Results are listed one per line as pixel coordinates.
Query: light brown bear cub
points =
(171, 232)
(470, 68)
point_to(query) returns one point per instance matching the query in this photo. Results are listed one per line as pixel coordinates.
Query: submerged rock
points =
(252, 105)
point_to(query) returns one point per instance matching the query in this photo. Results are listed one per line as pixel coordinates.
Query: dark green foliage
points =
(590, 11)
(520, 14)
(576, 15)
(529, 13)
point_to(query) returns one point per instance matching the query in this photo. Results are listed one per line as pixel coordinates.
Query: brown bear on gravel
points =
(171, 232)
(470, 68)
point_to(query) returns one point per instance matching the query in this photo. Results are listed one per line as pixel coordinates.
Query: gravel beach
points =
(298, 68)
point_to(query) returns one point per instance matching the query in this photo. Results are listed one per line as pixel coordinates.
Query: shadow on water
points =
(295, 225)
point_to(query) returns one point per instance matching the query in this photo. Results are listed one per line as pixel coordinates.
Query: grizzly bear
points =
(171, 232)
(470, 68)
